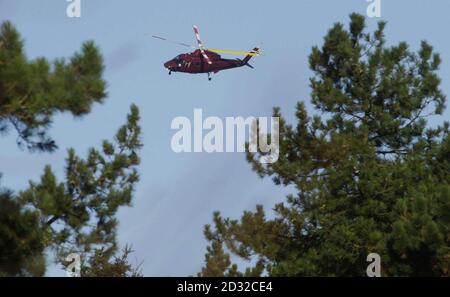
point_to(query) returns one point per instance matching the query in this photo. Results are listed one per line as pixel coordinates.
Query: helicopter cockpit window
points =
(178, 59)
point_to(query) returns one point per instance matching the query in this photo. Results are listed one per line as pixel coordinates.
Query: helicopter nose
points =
(170, 65)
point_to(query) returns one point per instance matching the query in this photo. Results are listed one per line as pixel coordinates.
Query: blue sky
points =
(179, 192)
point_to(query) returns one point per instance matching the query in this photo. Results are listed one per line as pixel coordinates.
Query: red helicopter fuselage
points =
(195, 63)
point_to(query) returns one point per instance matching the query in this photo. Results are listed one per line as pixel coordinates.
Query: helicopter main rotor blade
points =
(200, 45)
(253, 53)
(174, 42)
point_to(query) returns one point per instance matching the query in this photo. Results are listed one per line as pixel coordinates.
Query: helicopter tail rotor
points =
(254, 52)
(251, 54)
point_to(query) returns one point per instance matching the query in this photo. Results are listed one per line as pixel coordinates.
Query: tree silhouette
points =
(370, 175)
(78, 214)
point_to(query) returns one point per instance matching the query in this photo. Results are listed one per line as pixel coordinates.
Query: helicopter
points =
(204, 60)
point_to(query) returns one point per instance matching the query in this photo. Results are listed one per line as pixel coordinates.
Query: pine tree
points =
(32, 92)
(370, 175)
(102, 265)
(218, 262)
(78, 214)
(21, 241)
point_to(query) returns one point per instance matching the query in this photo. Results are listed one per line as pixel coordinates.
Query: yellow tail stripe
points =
(233, 52)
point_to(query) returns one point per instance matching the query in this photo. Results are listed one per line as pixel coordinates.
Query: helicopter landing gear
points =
(209, 76)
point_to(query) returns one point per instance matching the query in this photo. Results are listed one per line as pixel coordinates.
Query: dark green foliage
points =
(21, 240)
(32, 92)
(218, 262)
(77, 214)
(371, 176)
(80, 213)
(101, 265)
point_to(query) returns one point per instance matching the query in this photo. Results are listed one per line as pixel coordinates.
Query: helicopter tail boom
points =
(254, 52)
